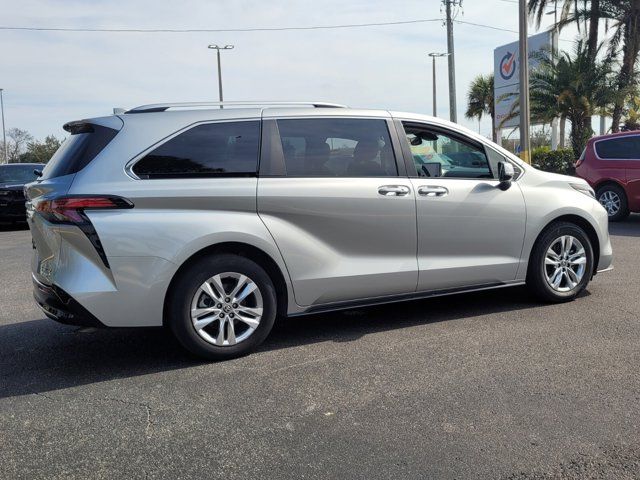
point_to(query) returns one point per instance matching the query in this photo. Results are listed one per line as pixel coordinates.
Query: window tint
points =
(17, 173)
(323, 147)
(622, 148)
(436, 154)
(77, 151)
(212, 149)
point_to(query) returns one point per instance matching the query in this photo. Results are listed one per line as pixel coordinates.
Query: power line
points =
(486, 26)
(215, 30)
(250, 29)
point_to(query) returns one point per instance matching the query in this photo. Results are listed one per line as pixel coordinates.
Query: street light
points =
(523, 14)
(4, 135)
(434, 55)
(217, 49)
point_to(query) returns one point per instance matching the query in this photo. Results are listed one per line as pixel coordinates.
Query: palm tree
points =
(571, 87)
(625, 16)
(480, 100)
(589, 14)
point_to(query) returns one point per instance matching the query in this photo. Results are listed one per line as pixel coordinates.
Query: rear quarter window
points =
(621, 148)
(206, 150)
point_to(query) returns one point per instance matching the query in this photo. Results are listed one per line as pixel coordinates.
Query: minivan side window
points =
(337, 147)
(206, 150)
(439, 154)
(621, 148)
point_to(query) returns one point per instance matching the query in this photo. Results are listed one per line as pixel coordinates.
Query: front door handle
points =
(432, 191)
(394, 190)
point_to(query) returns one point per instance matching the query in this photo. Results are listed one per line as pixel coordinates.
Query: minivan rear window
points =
(621, 148)
(77, 151)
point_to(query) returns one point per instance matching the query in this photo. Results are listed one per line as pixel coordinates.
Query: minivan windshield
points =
(17, 174)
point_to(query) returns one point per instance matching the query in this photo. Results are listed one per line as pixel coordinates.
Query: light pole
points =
(4, 135)
(433, 56)
(449, 4)
(217, 49)
(524, 82)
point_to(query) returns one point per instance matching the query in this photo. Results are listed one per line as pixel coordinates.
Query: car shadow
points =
(40, 355)
(630, 227)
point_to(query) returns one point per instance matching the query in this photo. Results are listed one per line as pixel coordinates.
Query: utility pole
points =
(555, 34)
(4, 134)
(217, 49)
(452, 61)
(524, 83)
(434, 55)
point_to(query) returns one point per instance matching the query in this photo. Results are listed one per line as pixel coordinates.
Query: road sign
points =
(506, 73)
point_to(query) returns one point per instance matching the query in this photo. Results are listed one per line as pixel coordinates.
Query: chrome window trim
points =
(128, 167)
(595, 150)
(455, 133)
(393, 136)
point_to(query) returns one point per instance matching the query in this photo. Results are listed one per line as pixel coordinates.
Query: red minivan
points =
(611, 165)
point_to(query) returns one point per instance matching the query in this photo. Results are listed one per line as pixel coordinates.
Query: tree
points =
(570, 86)
(625, 16)
(480, 100)
(587, 13)
(41, 152)
(590, 14)
(17, 141)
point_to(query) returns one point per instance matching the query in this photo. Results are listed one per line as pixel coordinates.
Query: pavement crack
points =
(148, 430)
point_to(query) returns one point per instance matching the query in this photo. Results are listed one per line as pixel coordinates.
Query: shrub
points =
(555, 161)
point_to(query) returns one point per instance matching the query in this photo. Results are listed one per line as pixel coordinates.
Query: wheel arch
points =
(610, 181)
(245, 250)
(581, 222)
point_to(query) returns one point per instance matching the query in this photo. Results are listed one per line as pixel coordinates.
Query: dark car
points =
(13, 178)
(611, 165)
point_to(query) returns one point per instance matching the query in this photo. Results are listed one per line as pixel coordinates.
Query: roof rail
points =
(161, 107)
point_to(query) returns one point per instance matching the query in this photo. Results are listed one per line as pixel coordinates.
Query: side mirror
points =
(506, 172)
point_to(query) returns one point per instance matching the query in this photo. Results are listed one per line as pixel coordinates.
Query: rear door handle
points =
(432, 191)
(394, 190)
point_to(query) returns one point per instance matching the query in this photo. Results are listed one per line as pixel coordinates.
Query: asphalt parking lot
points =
(486, 385)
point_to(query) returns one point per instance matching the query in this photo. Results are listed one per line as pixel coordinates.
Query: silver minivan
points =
(214, 221)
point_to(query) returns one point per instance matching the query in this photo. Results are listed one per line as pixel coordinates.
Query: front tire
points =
(614, 200)
(561, 263)
(222, 306)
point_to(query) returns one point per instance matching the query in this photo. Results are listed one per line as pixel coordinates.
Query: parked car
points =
(214, 221)
(13, 177)
(611, 165)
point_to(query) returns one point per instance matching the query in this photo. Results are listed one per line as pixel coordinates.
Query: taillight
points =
(579, 162)
(70, 210)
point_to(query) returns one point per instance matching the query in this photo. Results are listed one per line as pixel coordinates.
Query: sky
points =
(50, 78)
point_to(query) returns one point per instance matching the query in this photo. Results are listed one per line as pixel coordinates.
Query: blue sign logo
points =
(508, 66)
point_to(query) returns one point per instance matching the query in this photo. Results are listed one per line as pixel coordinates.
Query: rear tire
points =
(614, 199)
(561, 263)
(222, 307)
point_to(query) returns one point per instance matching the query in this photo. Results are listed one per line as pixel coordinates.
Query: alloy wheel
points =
(565, 263)
(610, 200)
(226, 309)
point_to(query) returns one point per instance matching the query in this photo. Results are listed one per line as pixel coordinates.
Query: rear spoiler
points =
(88, 125)
(79, 126)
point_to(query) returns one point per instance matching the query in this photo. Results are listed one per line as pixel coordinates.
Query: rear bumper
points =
(59, 306)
